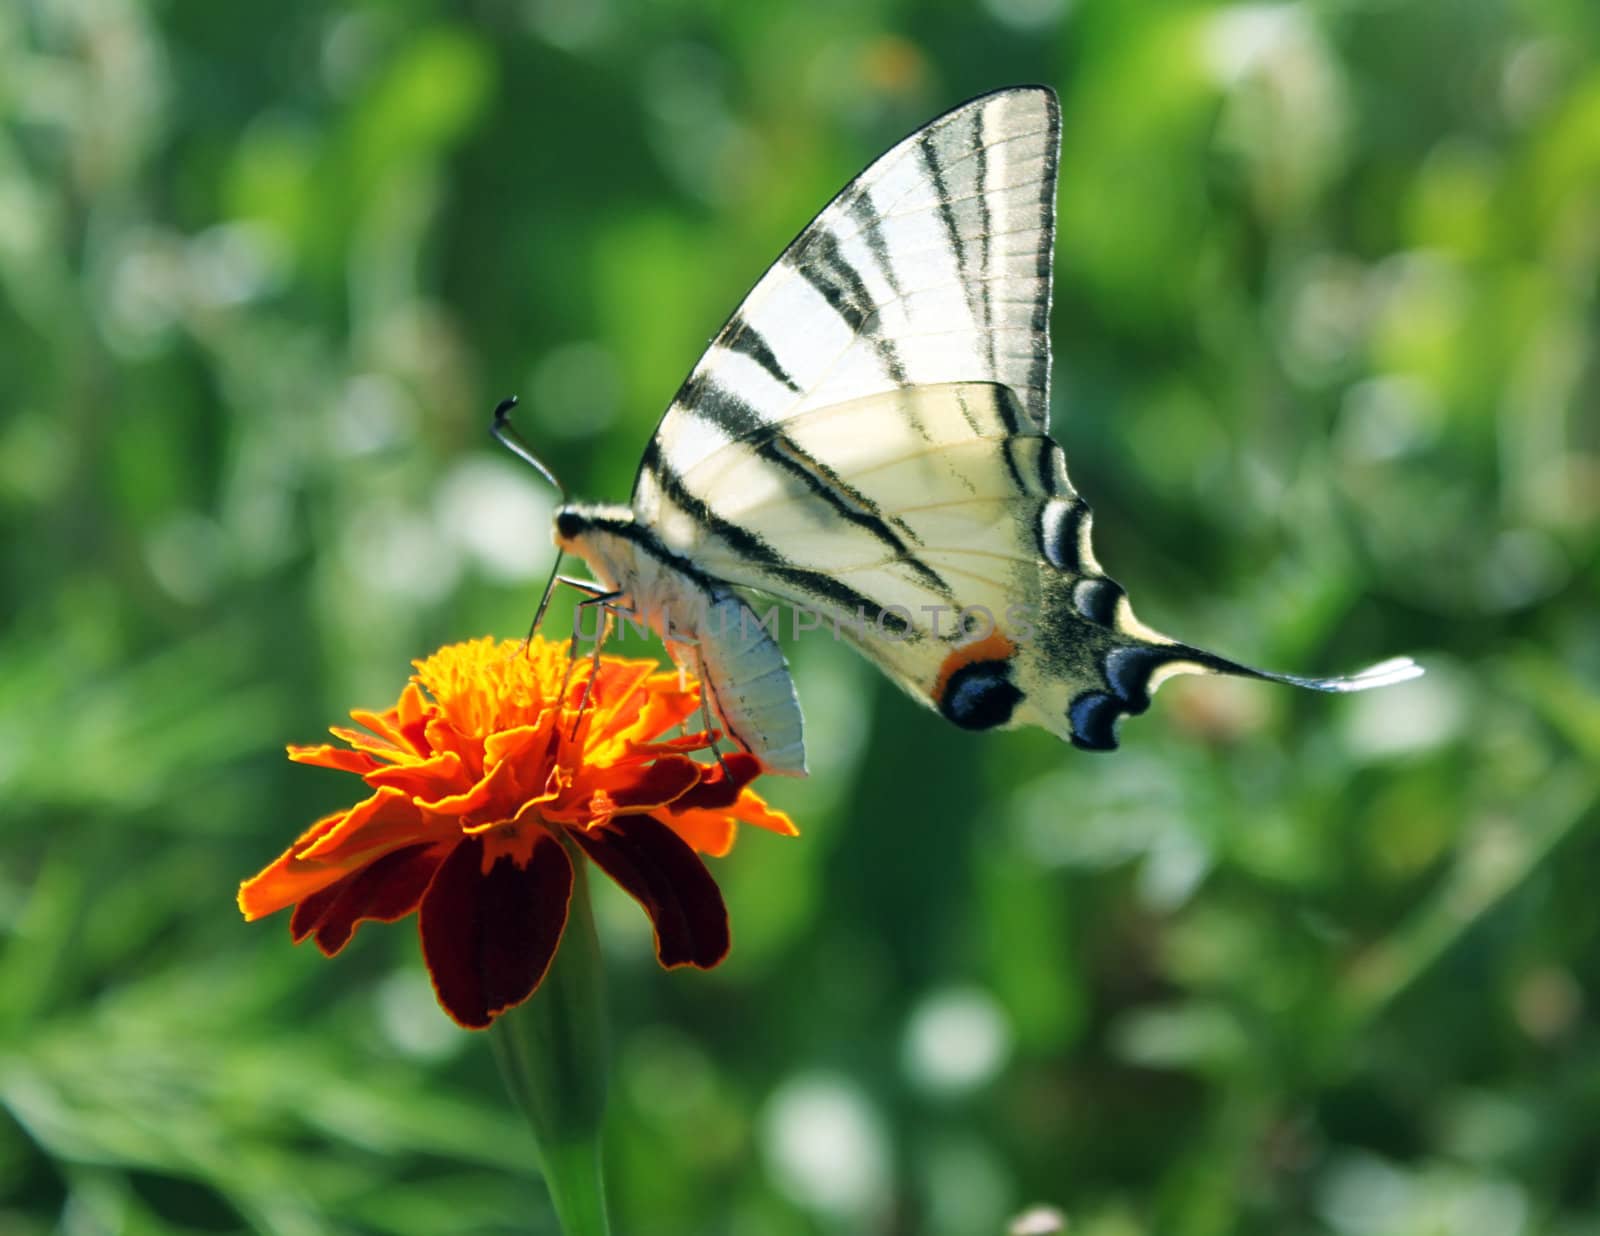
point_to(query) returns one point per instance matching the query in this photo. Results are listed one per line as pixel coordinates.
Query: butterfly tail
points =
(1131, 668)
(1383, 674)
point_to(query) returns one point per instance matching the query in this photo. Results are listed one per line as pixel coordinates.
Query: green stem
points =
(552, 1052)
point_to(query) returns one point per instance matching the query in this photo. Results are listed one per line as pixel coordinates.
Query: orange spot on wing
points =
(992, 647)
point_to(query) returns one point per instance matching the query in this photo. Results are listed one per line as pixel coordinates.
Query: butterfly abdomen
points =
(706, 629)
(748, 679)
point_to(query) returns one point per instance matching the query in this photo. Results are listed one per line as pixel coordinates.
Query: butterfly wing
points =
(931, 266)
(867, 436)
(996, 612)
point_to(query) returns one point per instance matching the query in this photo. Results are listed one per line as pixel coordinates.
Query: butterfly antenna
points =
(505, 433)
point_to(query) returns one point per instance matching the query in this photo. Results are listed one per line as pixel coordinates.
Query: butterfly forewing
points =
(932, 266)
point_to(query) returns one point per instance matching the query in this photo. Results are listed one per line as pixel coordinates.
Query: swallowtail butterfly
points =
(868, 438)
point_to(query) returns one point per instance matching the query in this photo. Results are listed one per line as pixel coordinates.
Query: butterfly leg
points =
(588, 587)
(673, 637)
(608, 606)
(595, 595)
(706, 692)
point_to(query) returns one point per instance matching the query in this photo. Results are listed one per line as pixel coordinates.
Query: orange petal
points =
(499, 792)
(684, 743)
(515, 743)
(335, 847)
(392, 725)
(658, 713)
(435, 777)
(257, 895)
(724, 788)
(615, 699)
(375, 825)
(752, 809)
(707, 832)
(439, 734)
(412, 708)
(326, 755)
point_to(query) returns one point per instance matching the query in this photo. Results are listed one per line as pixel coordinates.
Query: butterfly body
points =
(867, 439)
(705, 628)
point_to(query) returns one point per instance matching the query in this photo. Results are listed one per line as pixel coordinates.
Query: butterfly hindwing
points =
(956, 555)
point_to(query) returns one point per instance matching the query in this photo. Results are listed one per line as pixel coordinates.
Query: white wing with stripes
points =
(931, 266)
(868, 436)
(996, 612)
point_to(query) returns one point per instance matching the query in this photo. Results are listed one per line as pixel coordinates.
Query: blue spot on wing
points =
(1094, 721)
(1128, 670)
(980, 696)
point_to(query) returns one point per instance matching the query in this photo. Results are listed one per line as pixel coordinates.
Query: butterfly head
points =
(579, 528)
(570, 524)
(603, 536)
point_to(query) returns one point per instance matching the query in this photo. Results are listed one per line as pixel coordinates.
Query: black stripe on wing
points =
(984, 285)
(707, 399)
(1059, 529)
(739, 336)
(794, 257)
(822, 264)
(947, 211)
(870, 223)
(759, 552)
(1039, 371)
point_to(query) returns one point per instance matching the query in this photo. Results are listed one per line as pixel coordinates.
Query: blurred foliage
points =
(1326, 331)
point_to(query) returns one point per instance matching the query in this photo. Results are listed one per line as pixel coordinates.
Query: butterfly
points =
(867, 439)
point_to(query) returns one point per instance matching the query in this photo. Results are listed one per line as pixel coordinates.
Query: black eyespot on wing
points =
(1128, 670)
(980, 696)
(1094, 721)
(1059, 522)
(1096, 599)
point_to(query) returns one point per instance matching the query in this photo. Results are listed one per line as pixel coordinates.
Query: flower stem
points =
(552, 1052)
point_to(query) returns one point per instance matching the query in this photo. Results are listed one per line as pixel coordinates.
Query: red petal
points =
(646, 788)
(384, 890)
(489, 937)
(661, 873)
(717, 790)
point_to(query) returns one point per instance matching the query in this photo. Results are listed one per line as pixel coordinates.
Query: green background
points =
(1326, 352)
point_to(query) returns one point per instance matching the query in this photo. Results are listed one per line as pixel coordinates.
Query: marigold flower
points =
(483, 779)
